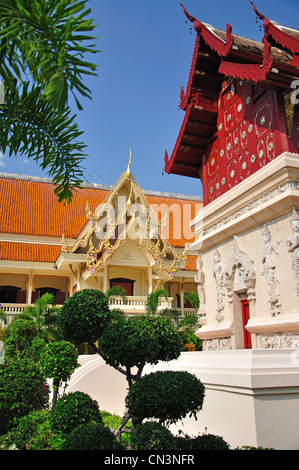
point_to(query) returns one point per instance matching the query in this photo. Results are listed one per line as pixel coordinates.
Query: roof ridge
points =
(44, 179)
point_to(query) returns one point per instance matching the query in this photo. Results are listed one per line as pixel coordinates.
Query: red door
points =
(127, 285)
(245, 318)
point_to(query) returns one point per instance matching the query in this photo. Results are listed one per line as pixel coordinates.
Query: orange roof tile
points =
(191, 263)
(30, 207)
(181, 212)
(29, 252)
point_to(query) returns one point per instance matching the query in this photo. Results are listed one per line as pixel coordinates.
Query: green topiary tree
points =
(58, 361)
(74, 409)
(22, 390)
(83, 317)
(152, 436)
(130, 343)
(202, 442)
(93, 436)
(168, 396)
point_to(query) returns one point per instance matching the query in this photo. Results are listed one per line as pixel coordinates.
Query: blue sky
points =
(146, 51)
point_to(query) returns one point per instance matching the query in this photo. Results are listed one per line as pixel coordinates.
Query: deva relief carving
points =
(278, 341)
(268, 270)
(218, 272)
(199, 279)
(217, 344)
(240, 276)
(293, 246)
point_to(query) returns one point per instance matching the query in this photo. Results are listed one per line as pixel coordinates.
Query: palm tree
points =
(152, 301)
(116, 291)
(192, 298)
(44, 315)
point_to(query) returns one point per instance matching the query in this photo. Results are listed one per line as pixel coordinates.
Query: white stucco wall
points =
(252, 396)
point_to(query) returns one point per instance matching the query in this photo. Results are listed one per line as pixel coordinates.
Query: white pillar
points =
(105, 280)
(150, 280)
(182, 297)
(29, 289)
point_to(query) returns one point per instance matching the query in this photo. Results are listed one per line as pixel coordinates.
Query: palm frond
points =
(192, 297)
(116, 291)
(49, 40)
(30, 126)
(152, 300)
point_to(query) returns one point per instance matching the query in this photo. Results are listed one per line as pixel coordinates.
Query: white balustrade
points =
(137, 303)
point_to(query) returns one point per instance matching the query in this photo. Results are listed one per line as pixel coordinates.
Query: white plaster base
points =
(252, 396)
(102, 382)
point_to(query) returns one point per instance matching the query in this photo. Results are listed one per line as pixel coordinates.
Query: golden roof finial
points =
(88, 211)
(129, 165)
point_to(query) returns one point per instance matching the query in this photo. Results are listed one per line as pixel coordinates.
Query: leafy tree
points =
(92, 436)
(129, 343)
(83, 317)
(22, 390)
(172, 314)
(152, 436)
(58, 361)
(22, 341)
(168, 396)
(43, 48)
(32, 432)
(202, 442)
(74, 409)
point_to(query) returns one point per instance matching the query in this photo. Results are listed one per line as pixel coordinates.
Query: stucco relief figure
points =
(218, 271)
(268, 270)
(199, 278)
(292, 245)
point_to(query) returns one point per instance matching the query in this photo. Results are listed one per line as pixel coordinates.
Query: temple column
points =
(182, 297)
(105, 279)
(150, 280)
(29, 288)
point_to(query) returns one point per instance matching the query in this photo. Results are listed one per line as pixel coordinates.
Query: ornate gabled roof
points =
(281, 36)
(218, 56)
(32, 220)
(125, 209)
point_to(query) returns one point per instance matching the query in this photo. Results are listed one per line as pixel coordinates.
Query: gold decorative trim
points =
(289, 112)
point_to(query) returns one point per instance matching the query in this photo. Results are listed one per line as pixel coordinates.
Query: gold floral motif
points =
(289, 112)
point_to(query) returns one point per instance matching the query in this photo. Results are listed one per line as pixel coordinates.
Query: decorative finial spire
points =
(129, 164)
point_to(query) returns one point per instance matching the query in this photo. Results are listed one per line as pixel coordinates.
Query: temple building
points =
(107, 236)
(240, 137)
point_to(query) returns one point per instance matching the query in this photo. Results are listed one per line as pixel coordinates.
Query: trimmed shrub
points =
(165, 395)
(143, 339)
(73, 410)
(83, 317)
(152, 436)
(202, 442)
(91, 437)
